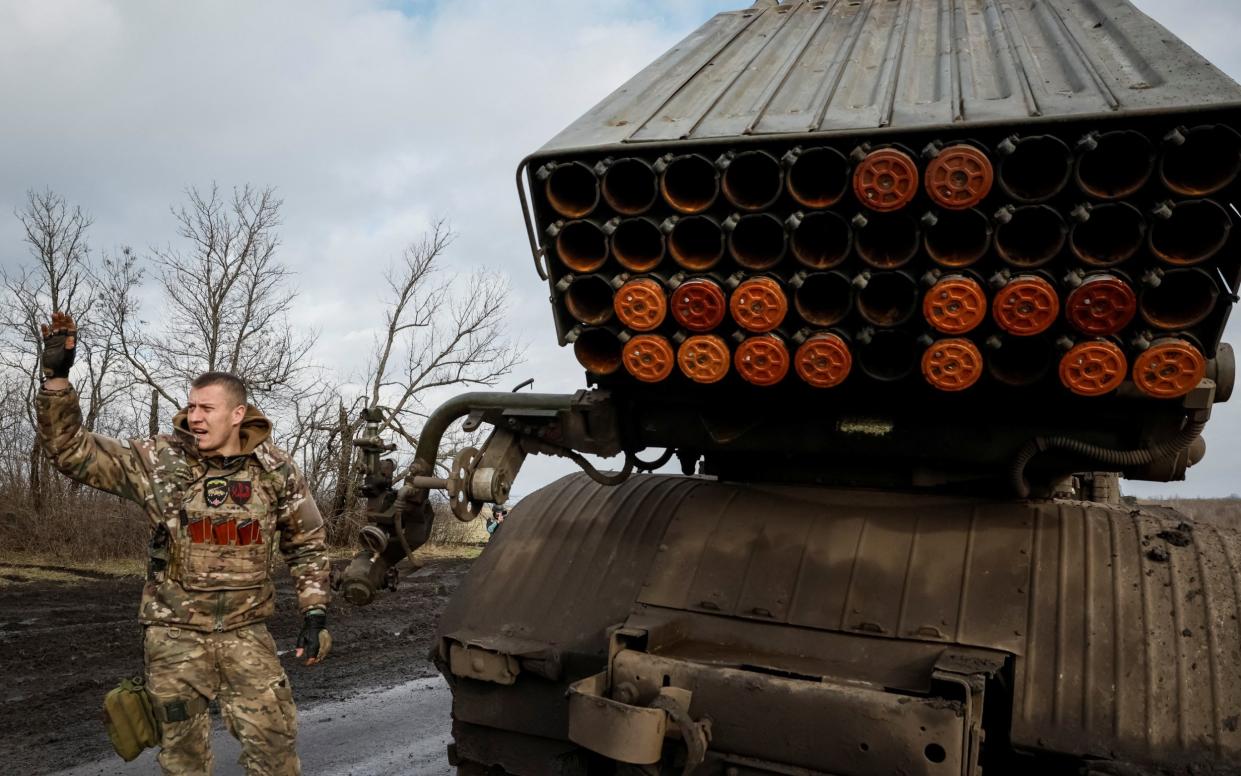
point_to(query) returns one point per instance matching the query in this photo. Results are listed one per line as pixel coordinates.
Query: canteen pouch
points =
(130, 719)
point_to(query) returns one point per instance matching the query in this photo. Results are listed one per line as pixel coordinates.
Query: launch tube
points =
(952, 364)
(1029, 236)
(1102, 305)
(820, 240)
(762, 360)
(588, 298)
(695, 242)
(1170, 368)
(1200, 161)
(598, 350)
(956, 304)
(648, 357)
(886, 240)
(1093, 367)
(1026, 305)
(956, 238)
(1033, 168)
(640, 304)
(959, 176)
(823, 360)
(757, 241)
(885, 179)
(823, 298)
(699, 304)
(689, 183)
(888, 355)
(1189, 232)
(887, 298)
(580, 245)
(759, 304)
(1178, 298)
(704, 358)
(629, 185)
(637, 243)
(752, 180)
(816, 177)
(1019, 361)
(571, 189)
(1115, 164)
(1106, 235)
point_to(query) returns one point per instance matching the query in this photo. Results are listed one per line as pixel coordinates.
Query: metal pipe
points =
(1029, 236)
(637, 243)
(598, 351)
(1200, 161)
(887, 298)
(887, 355)
(571, 189)
(1115, 164)
(752, 180)
(1189, 232)
(886, 240)
(1033, 168)
(689, 183)
(1106, 235)
(1019, 361)
(823, 298)
(819, 240)
(757, 241)
(580, 245)
(696, 242)
(1178, 298)
(588, 298)
(956, 238)
(629, 185)
(459, 406)
(816, 177)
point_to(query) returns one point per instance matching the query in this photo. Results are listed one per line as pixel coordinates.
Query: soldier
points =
(220, 498)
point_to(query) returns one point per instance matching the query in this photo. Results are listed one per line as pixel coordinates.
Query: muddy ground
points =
(67, 637)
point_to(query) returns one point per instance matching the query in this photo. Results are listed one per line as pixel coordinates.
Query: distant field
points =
(1214, 511)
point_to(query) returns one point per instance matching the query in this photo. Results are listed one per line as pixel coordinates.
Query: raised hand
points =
(60, 339)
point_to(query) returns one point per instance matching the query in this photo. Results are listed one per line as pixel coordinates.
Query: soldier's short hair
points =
(232, 384)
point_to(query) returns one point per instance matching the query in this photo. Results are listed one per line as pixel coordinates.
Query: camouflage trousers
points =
(239, 669)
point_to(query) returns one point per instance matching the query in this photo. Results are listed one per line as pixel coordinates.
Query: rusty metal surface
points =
(832, 66)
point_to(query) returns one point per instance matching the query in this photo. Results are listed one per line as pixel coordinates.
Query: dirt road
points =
(65, 641)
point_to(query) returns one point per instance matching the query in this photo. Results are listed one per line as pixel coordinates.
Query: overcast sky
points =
(372, 119)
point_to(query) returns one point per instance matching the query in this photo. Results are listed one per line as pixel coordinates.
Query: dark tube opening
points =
(1208, 160)
(696, 243)
(1112, 234)
(598, 350)
(824, 299)
(819, 177)
(958, 238)
(888, 240)
(1032, 237)
(753, 180)
(1037, 168)
(1119, 164)
(638, 244)
(889, 298)
(589, 299)
(630, 187)
(573, 190)
(690, 183)
(889, 356)
(1021, 361)
(757, 241)
(1194, 232)
(821, 240)
(1183, 298)
(582, 246)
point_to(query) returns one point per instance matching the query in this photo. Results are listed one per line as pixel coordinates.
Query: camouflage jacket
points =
(226, 518)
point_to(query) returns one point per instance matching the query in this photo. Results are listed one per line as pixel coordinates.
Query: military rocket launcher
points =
(819, 239)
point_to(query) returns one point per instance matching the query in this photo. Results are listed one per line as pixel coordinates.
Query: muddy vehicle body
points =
(903, 287)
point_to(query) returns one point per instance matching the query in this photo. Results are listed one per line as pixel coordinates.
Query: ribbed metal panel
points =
(830, 66)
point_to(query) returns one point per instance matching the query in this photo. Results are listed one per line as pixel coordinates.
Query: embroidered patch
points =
(215, 490)
(239, 491)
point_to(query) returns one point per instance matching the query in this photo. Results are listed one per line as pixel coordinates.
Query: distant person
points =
(221, 499)
(498, 514)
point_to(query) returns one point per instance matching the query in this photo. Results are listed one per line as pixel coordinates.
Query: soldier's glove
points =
(60, 341)
(314, 642)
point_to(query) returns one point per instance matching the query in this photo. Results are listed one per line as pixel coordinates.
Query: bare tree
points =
(225, 300)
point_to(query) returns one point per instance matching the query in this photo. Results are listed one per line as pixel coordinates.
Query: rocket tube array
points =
(1092, 256)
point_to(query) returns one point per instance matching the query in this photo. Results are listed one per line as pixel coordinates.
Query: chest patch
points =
(239, 492)
(215, 490)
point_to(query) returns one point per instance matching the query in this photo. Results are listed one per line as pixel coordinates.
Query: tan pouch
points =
(130, 720)
(222, 567)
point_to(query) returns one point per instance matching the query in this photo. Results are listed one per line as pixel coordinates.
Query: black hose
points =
(644, 466)
(598, 476)
(1122, 458)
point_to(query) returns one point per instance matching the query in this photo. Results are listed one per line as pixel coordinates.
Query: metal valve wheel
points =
(464, 508)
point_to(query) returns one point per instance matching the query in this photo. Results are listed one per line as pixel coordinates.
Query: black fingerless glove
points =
(58, 351)
(314, 642)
